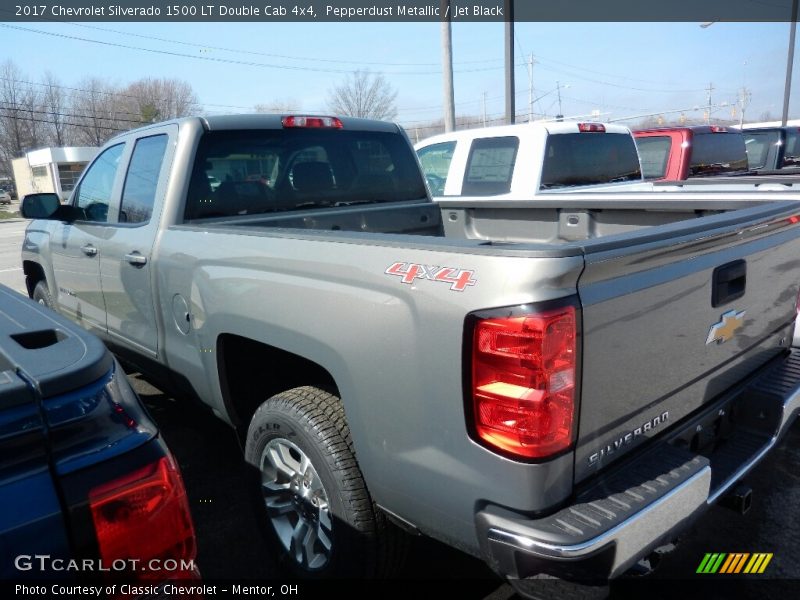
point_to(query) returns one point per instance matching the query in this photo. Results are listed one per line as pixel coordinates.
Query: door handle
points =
(136, 259)
(89, 250)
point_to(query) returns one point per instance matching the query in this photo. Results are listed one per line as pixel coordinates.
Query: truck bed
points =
(562, 224)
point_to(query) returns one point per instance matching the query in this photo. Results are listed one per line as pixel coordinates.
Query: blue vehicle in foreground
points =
(88, 489)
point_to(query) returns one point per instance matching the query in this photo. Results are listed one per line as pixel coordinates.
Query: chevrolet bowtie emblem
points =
(724, 330)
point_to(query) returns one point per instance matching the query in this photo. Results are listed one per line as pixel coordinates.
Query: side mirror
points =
(48, 206)
(40, 206)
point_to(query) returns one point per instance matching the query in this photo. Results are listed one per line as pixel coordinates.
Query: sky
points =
(617, 69)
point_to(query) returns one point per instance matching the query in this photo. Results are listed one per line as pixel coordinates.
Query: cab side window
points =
(435, 160)
(141, 181)
(94, 192)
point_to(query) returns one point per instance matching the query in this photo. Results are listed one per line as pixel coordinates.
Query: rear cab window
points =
(715, 153)
(276, 170)
(589, 158)
(654, 154)
(490, 166)
(141, 181)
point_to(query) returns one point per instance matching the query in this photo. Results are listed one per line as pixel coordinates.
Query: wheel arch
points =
(34, 273)
(241, 366)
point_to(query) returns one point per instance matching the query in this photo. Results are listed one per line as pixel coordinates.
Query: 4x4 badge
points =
(726, 328)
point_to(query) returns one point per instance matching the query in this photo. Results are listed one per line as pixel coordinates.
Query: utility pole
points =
(560, 115)
(744, 102)
(447, 68)
(530, 87)
(509, 47)
(484, 109)
(789, 62)
(709, 89)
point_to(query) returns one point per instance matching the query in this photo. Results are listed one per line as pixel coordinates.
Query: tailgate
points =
(675, 315)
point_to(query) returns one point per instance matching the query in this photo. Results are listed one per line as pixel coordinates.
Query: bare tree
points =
(34, 115)
(159, 99)
(21, 122)
(364, 94)
(282, 105)
(34, 121)
(96, 112)
(13, 135)
(55, 106)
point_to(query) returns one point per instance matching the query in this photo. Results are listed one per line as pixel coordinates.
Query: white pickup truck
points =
(520, 161)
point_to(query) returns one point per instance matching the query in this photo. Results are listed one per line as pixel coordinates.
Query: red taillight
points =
(312, 122)
(591, 128)
(718, 129)
(144, 516)
(523, 382)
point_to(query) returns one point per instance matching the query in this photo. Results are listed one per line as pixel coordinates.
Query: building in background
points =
(51, 169)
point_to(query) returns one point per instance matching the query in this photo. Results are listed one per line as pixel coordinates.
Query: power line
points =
(108, 93)
(284, 56)
(616, 85)
(438, 107)
(227, 60)
(109, 116)
(581, 101)
(79, 125)
(168, 52)
(594, 71)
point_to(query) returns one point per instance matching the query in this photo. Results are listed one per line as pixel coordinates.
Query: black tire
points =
(41, 294)
(312, 421)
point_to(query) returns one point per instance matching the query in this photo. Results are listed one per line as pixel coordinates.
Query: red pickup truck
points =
(677, 153)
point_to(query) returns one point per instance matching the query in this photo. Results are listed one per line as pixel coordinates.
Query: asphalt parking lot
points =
(231, 545)
(11, 233)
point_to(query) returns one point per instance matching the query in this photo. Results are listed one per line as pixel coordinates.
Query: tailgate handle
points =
(729, 282)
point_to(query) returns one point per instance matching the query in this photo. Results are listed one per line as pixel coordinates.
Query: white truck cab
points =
(520, 161)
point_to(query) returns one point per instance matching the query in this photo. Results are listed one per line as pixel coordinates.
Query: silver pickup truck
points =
(558, 387)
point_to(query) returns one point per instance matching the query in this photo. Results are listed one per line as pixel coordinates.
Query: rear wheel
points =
(317, 507)
(41, 294)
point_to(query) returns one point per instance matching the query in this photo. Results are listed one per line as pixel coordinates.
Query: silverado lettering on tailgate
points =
(627, 438)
